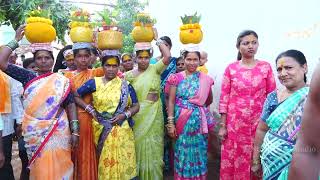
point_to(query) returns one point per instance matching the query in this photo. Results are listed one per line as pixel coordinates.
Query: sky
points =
(280, 25)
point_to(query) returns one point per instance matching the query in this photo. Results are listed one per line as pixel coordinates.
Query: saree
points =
(192, 121)
(171, 69)
(149, 126)
(117, 159)
(278, 144)
(46, 128)
(85, 156)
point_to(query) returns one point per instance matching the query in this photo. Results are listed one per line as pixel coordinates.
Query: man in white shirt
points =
(6, 172)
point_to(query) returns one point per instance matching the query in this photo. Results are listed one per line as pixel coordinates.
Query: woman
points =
(85, 156)
(281, 116)
(45, 124)
(112, 135)
(180, 65)
(60, 59)
(245, 86)
(189, 118)
(127, 62)
(305, 160)
(148, 128)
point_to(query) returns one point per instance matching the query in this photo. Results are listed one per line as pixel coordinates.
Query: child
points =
(203, 60)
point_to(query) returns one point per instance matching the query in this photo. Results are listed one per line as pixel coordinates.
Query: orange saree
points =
(46, 128)
(85, 156)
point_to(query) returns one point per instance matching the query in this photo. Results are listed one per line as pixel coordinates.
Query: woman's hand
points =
(222, 133)
(117, 119)
(74, 141)
(155, 33)
(20, 32)
(256, 168)
(172, 132)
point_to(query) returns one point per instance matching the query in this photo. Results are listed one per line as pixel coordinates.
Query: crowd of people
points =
(136, 116)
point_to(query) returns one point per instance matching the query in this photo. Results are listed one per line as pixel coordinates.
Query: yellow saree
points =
(117, 160)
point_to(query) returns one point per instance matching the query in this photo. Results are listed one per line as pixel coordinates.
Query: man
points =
(6, 172)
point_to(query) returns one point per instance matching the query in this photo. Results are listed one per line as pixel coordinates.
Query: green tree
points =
(124, 13)
(15, 12)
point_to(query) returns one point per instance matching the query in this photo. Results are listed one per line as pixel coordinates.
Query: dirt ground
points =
(213, 160)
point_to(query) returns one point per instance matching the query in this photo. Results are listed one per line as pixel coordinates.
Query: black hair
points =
(239, 39)
(60, 58)
(167, 40)
(185, 53)
(76, 51)
(179, 59)
(27, 62)
(94, 51)
(104, 59)
(296, 55)
(35, 53)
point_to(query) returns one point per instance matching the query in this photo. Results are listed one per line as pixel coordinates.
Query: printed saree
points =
(115, 145)
(193, 120)
(85, 156)
(278, 144)
(46, 128)
(149, 126)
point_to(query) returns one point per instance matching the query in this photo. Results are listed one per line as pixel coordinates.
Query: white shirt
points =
(1, 123)
(17, 111)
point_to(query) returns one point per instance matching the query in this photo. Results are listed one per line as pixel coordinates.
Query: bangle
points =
(76, 134)
(127, 114)
(12, 45)
(256, 162)
(89, 108)
(159, 41)
(74, 125)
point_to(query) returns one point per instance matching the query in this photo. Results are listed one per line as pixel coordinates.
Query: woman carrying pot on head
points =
(85, 156)
(148, 128)
(281, 117)
(245, 86)
(48, 106)
(189, 119)
(112, 126)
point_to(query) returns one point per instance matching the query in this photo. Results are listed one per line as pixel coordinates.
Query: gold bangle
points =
(222, 124)
(256, 162)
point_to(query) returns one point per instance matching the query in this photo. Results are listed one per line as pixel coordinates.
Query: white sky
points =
(280, 24)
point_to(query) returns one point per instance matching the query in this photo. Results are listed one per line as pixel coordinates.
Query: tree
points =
(125, 12)
(15, 12)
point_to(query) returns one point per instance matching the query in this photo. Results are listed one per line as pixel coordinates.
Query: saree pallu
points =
(149, 126)
(192, 123)
(84, 156)
(46, 128)
(117, 158)
(168, 149)
(279, 141)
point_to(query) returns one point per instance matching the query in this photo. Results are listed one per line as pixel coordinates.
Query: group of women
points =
(97, 124)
